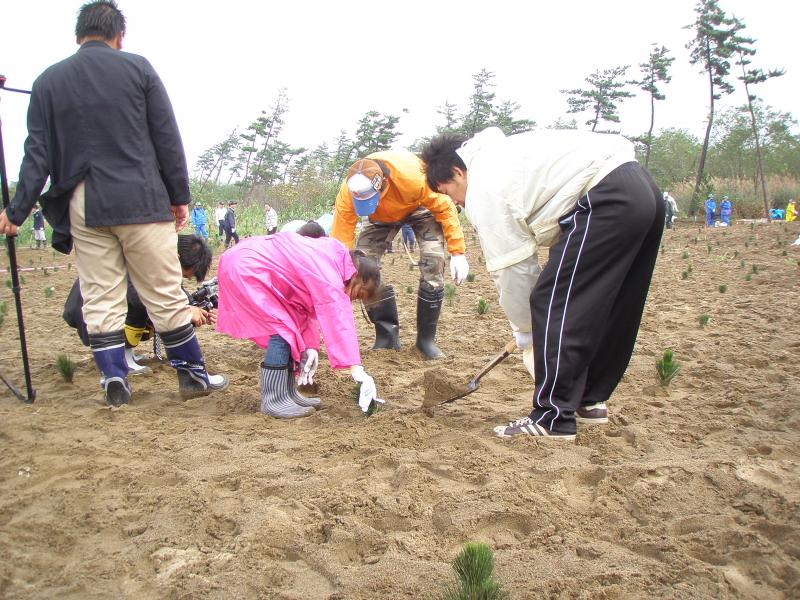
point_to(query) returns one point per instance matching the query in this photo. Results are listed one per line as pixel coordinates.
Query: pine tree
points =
(744, 49)
(712, 47)
(602, 98)
(654, 71)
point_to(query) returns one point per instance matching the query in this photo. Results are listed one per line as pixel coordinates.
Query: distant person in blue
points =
(408, 237)
(776, 214)
(725, 209)
(199, 221)
(711, 211)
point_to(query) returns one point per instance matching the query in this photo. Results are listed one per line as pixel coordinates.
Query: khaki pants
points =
(430, 239)
(105, 256)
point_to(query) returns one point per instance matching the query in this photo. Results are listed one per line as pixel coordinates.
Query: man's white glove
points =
(524, 339)
(368, 391)
(309, 361)
(459, 268)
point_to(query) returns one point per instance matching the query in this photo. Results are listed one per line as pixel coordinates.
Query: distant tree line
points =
(752, 142)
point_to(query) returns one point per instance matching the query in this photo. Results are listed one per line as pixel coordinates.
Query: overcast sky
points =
(224, 62)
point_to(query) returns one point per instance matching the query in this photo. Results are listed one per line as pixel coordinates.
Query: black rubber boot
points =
(429, 306)
(383, 314)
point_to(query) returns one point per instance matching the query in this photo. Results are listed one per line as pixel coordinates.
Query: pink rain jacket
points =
(293, 286)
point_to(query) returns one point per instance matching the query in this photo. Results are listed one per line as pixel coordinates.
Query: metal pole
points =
(12, 258)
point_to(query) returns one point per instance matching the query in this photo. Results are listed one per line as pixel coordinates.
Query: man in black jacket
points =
(101, 126)
(230, 225)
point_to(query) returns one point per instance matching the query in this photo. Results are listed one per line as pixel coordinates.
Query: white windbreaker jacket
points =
(518, 187)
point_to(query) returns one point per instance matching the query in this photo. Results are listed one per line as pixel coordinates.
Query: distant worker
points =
(38, 228)
(271, 219)
(725, 209)
(199, 221)
(230, 225)
(711, 211)
(219, 217)
(408, 237)
(671, 208)
(791, 211)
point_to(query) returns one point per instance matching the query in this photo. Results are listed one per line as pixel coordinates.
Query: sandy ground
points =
(688, 492)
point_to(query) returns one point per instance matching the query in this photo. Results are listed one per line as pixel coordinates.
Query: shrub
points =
(66, 367)
(667, 367)
(483, 306)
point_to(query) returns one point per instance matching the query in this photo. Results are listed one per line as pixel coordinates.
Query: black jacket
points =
(230, 220)
(101, 116)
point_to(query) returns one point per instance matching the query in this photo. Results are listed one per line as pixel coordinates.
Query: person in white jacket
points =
(583, 195)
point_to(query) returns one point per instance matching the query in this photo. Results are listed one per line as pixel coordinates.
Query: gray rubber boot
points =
(275, 400)
(295, 394)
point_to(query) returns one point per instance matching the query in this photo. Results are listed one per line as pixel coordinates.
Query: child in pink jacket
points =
(279, 291)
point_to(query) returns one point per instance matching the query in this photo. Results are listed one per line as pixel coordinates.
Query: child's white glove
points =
(368, 391)
(309, 361)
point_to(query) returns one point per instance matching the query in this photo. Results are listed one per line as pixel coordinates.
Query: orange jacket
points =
(406, 192)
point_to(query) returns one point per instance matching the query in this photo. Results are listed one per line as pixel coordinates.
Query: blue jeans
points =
(278, 353)
(200, 230)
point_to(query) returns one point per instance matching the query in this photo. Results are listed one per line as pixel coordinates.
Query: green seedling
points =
(709, 248)
(470, 277)
(483, 306)
(723, 288)
(474, 571)
(783, 253)
(685, 255)
(373, 406)
(55, 269)
(410, 267)
(8, 283)
(449, 293)
(735, 254)
(667, 367)
(48, 291)
(65, 367)
(409, 289)
(703, 320)
(685, 275)
(391, 262)
(755, 269)
(689, 268)
(741, 264)
(748, 277)
(746, 244)
(695, 240)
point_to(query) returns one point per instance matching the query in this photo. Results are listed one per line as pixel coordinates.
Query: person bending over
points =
(585, 196)
(280, 291)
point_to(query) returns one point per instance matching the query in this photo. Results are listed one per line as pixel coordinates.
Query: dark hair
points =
(439, 156)
(102, 18)
(195, 254)
(367, 267)
(312, 229)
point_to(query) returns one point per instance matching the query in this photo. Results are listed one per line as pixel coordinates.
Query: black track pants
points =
(589, 299)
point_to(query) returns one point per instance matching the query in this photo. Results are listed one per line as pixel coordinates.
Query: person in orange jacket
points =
(388, 189)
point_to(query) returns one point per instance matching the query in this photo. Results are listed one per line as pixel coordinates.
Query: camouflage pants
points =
(374, 237)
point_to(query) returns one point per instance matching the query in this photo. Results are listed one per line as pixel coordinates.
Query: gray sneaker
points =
(526, 426)
(592, 414)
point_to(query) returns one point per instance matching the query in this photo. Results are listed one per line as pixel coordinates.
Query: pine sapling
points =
(470, 277)
(723, 288)
(66, 367)
(409, 289)
(685, 254)
(704, 320)
(483, 306)
(449, 293)
(667, 367)
(48, 291)
(474, 570)
(685, 275)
